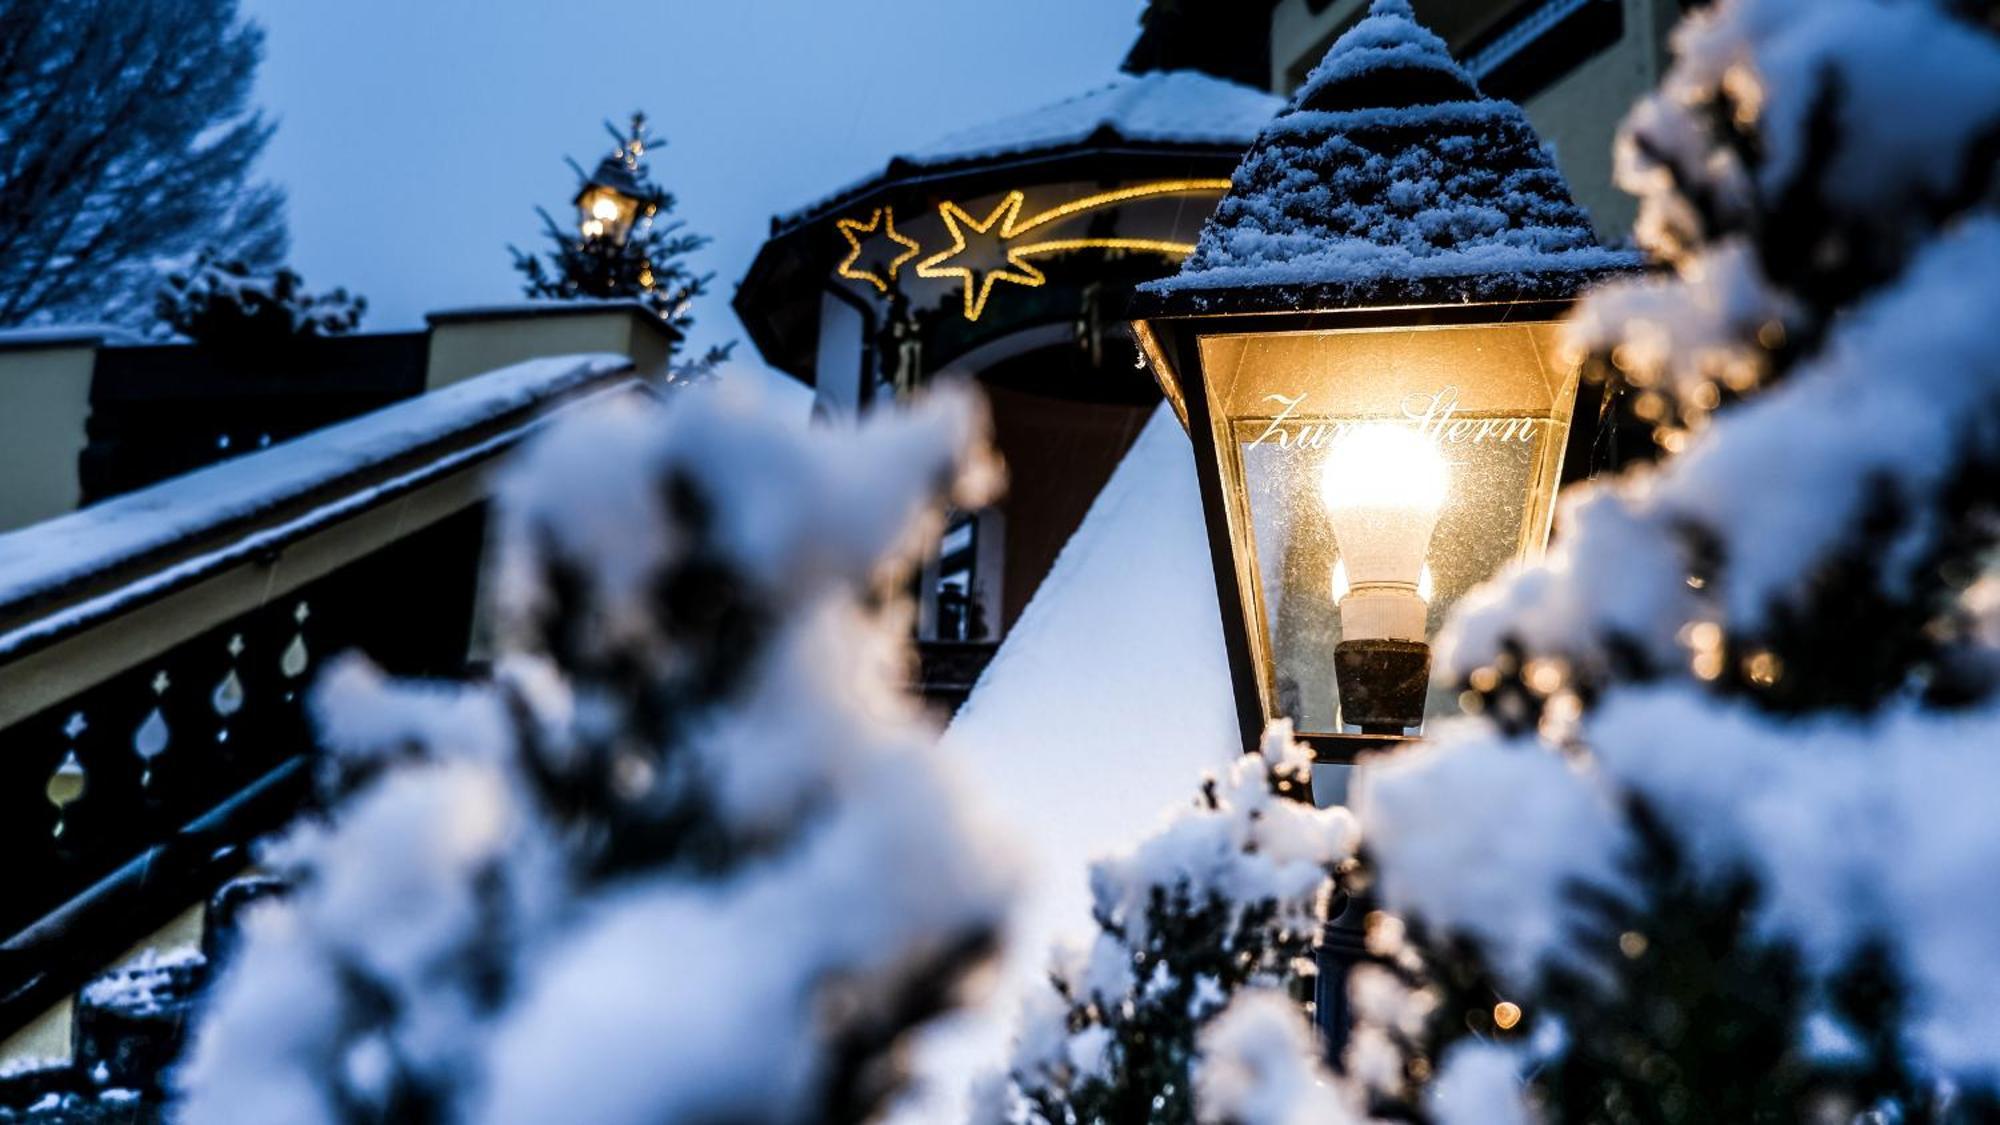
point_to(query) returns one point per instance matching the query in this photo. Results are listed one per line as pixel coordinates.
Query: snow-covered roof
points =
(1390, 177)
(1162, 108)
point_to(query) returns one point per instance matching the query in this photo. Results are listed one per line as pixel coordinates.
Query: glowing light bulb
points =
(604, 209)
(593, 229)
(1383, 485)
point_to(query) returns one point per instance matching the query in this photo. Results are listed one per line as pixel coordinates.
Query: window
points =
(958, 582)
(959, 614)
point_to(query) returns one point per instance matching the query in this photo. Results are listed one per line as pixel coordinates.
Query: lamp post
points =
(1363, 348)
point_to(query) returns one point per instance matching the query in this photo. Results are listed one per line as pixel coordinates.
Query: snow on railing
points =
(50, 561)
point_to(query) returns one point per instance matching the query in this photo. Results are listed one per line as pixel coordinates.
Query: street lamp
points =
(610, 201)
(1364, 350)
(1361, 470)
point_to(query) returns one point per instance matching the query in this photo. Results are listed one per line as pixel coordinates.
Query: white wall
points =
(44, 403)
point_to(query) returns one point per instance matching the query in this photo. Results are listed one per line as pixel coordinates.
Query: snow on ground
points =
(1106, 703)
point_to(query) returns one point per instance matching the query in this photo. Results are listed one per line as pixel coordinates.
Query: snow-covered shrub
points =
(689, 855)
(1820, 178)
(1260, 1066)
(225, 304)
(1709, 847)
(1230, 895)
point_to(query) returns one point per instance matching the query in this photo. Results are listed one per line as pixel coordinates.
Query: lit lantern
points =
(1364, 350)
(611, 201)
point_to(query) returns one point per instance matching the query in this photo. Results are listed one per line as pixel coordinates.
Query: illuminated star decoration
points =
(1005, 224)
(995, 230)
(883, 219)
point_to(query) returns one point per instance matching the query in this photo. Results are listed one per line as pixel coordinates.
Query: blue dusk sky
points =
(416, 137)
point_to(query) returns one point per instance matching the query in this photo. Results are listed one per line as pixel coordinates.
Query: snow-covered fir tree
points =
(1229, 897)
(646, 261)
(1715, 842)
(689, 855)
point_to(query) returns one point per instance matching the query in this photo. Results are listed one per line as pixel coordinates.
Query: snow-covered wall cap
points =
(1389, 179)
(66, 335)
(570, 306)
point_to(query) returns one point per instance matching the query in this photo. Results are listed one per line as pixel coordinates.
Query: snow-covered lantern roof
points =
(1004, 235)
(1363, 348)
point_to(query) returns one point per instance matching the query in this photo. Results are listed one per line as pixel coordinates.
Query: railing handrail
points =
(62, 575)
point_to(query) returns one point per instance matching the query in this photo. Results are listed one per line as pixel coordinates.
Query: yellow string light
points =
(1149, 245)
(978, 286)
(1113, 198)
(884, 218)
(1007, 218)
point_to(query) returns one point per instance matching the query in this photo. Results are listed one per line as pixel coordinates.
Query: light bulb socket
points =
(1382, 683)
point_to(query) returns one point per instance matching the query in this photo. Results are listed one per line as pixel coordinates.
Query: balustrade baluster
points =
(33, 754)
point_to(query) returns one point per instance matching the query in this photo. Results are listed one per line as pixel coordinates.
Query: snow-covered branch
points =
(689, 855)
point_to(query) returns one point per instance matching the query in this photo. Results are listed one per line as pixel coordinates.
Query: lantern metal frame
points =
(1169, 342)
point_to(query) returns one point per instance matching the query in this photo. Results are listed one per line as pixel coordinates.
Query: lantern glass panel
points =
(1369, 434)
(603, 212)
